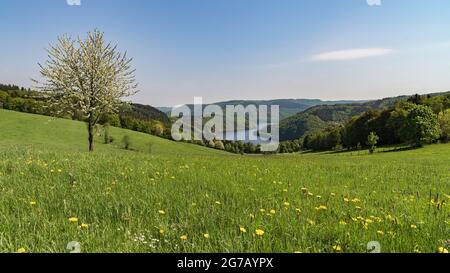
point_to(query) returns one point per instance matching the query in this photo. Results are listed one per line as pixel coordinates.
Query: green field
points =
(165, 197)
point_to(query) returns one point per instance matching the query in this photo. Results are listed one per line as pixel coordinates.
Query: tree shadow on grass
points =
(386, 149)
(401, 149)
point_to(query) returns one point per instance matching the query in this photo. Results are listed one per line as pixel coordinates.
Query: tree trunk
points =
(91, 136)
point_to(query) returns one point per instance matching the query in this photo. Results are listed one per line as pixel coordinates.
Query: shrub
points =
(372, 141)
(106, 133)
(126, 142)
(158, 130)
(421, 126)
(444, 122)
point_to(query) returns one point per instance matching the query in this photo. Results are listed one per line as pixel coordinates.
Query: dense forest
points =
(418, 120)
(321, 117)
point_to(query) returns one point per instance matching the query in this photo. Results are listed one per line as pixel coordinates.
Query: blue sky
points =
(246, 49)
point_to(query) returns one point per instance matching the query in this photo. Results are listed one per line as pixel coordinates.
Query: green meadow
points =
(163, 196)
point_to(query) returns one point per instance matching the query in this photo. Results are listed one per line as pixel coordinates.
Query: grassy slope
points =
(119, 193)
(40, 131)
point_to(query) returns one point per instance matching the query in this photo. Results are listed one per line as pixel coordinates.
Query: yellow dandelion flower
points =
(311, 222)
(342, 223)
(84, 226)
(369, 221)
(346, 200)
(243, 230)
(337, 248)
(206, 235)
(33, 203)
(413, 226)
(21, 250)
(259, 232)
(380, 232)
(298, 210)
(73, 219)
(218, 203)
(286, 204)
(184, 238)
(162, 231)
(356, 200)
(320, 208)
(285, 190)
(273, 211)
(442, 250)
(333, 194)
(162, 212)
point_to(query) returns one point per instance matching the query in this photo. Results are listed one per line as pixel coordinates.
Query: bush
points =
(421, 126)
(444, 122)
(106, 136)
(372, 141)
(126, 142)
(158, 130)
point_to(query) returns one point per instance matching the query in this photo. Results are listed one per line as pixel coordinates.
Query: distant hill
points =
(288, 107)
(147, 112)
(321, 116)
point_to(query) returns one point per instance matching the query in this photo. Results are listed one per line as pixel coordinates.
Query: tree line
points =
(418, 121)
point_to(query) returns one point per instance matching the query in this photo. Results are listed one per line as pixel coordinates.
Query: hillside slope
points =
(319, 117)
(24, 100)
(54, 192)
(42, 131)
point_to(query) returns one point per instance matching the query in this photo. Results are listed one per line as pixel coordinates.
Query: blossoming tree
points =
(88, 76)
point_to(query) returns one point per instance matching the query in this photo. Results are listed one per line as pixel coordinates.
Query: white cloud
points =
(73, 2)
(374, 2)
(351, 54)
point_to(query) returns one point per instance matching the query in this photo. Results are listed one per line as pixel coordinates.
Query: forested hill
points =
(288, 107)
(147, 112)
(320, 117)
(137, 117)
